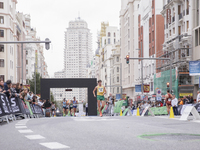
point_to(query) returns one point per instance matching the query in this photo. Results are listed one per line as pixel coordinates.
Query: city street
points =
(95, 133)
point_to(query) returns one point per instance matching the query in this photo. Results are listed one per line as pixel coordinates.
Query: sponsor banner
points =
(194, 68)
(185, 94)
(146, 88)
(138, 88)
(118, 96)
(5, 105)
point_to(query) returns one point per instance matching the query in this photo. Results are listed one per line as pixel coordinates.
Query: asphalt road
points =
(95, 133)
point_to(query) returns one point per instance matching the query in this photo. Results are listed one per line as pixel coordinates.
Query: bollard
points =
(171, 113)
(138, 112)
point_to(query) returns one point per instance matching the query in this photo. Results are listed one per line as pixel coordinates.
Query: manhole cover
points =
(171, 137)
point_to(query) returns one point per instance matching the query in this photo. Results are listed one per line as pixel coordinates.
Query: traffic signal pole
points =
(47, 42)
(170, 59)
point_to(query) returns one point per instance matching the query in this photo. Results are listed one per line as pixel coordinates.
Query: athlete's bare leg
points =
(99, 106)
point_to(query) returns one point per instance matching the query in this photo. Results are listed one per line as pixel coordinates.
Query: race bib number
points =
(169, 99)
(100, 90)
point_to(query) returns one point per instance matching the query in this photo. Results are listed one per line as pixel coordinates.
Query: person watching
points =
(7, 86)
(175, 105)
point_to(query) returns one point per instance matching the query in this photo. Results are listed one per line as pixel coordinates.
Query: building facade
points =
(178, 19)
(129, 45)
(8, 53)
(150, 40)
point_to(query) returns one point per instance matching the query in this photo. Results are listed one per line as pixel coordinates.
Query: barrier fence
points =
(16, 107)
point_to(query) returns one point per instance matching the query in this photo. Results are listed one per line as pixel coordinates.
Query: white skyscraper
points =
(77, 54)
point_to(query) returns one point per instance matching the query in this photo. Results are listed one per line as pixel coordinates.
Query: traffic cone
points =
(171, 113)
(120, 112)
(138, 112)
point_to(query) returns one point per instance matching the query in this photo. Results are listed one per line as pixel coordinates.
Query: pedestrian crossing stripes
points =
(54, 145)
(35, 137)
(25, 131)
(20, 127)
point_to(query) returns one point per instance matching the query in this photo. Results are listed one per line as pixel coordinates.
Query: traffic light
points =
(168, 84)
(47, 45)
(127, 59)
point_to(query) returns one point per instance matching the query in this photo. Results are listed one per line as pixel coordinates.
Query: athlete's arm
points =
(94, 91)
(104, 90)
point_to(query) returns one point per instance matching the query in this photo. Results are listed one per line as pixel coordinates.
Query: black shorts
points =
(65, 107)
(52, 109)
(71, 108)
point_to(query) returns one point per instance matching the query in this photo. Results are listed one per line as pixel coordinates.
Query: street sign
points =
(158, 93)
(118, 96)
(159, 98)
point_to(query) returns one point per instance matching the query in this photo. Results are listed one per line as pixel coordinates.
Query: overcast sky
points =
(51, 17)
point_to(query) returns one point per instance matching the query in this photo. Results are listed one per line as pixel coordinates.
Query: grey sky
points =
(51, 17)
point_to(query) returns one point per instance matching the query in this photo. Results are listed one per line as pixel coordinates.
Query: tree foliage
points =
(32, 83)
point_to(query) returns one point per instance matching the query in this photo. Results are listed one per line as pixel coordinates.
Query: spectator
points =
(1, 86)
(180, 101)
(190, 98)
(185, 100)
(198, 97)
(7, 86)
(47, 107)
(40, 102)
(18, 88)
(13, 90)
(86, 109)
(175, 105)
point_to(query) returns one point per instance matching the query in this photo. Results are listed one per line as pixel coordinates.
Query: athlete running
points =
(53, 108)
(64, 107)
(75, 105)
(71, 107)
(101, 90)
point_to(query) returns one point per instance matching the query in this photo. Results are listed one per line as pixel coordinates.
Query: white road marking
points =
(35, 137)
(21, 124)
(21, 127)
(94, 119)
(25, 131)
(54, 145)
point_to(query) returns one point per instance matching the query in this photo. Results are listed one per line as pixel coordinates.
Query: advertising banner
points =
(146, 88)
(6, 109)
(138, 88)
(194, 68)
(118, 96)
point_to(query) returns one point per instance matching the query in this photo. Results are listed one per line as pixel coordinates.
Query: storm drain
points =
(171, 137)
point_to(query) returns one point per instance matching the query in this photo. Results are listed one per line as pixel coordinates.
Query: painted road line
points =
(25, 131)
(21, 127)
(35, 137)
(54, 145)
(21, 124)
(96, 119)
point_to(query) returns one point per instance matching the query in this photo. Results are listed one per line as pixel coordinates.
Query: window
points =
(114, 41)
(1, 48)
(153, 20)
(27, 62)
(170, 33)
(1, 20)
(2, 77)
(196, 37)
(108, 40)
(117, 59)
(151, 86)
(117, 79)
(1, 33)
(117, 69)
(117, 89)
(152, 3)
(153, 36)
(128, 33)
(187, 25)
(173, 30)
(26, 52)
(149, 37)
(114, 34)
(1, 5)
(108, 34)
(1, 62)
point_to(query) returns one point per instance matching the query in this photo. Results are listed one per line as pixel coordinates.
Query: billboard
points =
(138, 88)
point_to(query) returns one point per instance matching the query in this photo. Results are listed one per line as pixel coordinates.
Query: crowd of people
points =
(70, 106)
(16, 90)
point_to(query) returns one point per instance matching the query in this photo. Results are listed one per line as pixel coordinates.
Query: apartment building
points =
(129, 45)
(150, 40)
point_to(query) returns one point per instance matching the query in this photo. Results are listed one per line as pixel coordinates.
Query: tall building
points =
(150, 39)
(129, 45)
(178, 19)
(8, 53)
(107, 40)
(34, 52)
(77, 54)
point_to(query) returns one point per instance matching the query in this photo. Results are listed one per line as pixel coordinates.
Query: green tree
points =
(32, 83)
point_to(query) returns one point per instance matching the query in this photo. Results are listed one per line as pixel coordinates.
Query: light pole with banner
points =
(47, 46)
